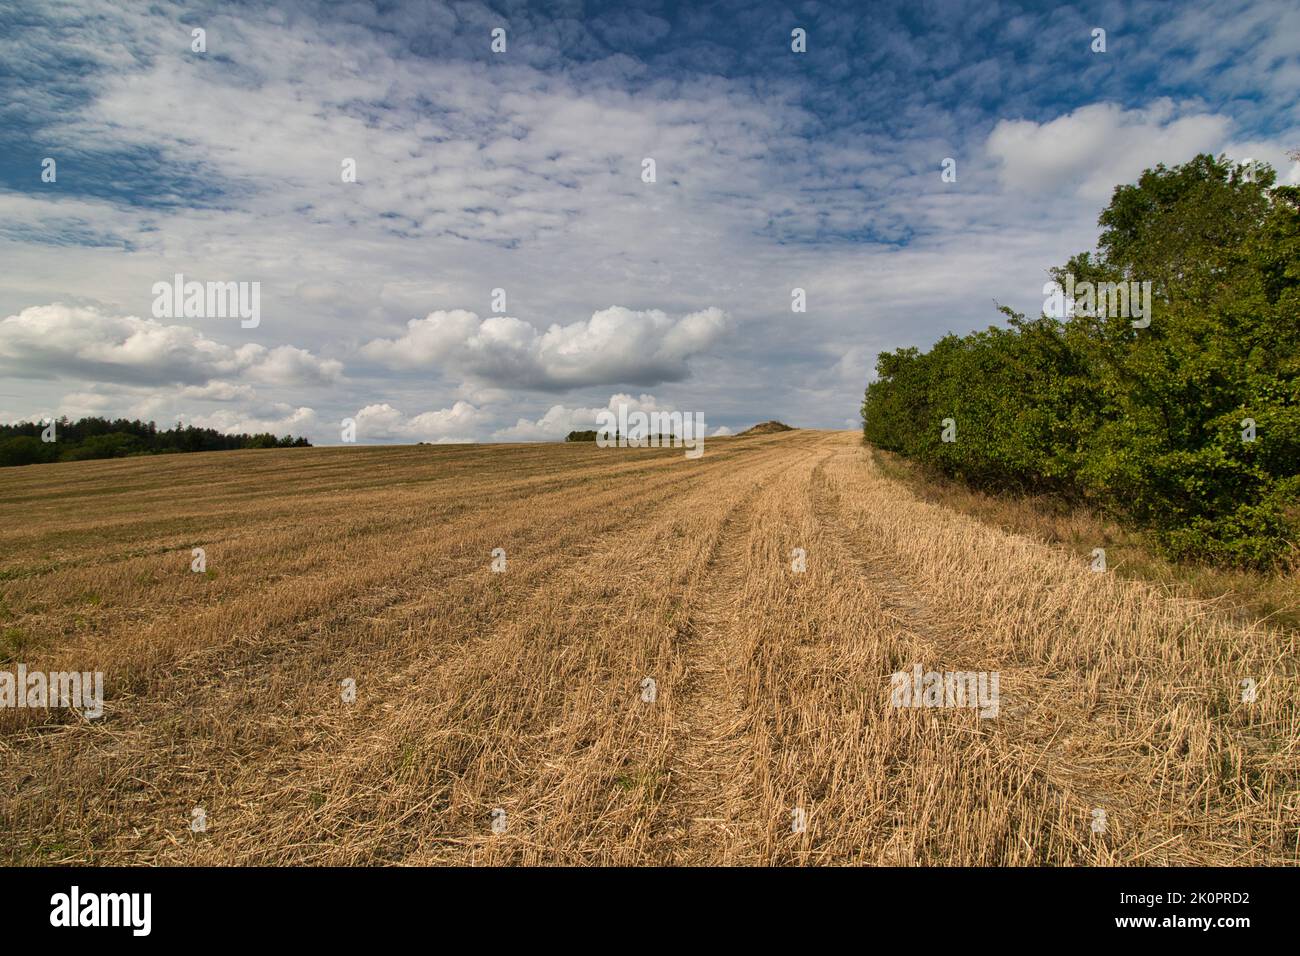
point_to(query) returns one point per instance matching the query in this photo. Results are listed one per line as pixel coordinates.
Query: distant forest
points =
(21, 444)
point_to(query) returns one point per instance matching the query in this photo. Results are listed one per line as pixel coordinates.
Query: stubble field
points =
(501, 717)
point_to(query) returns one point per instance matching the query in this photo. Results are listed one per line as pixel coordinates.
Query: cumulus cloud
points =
(615, 345)
(286, 364)
(559, 420)
(1091, 150)
(459, 423)
(66, 341)
(217, 392)
(278, 419)
(466, 422)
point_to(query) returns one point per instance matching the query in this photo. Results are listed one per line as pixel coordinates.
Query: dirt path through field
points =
(706, 775)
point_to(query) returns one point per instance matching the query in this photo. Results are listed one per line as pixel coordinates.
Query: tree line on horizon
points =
(87, 438)
(1188, 427)
(592, 434)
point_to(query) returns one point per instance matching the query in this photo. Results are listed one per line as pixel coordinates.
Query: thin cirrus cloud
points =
(644, 347)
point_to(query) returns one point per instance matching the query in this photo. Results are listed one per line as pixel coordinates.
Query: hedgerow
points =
(1188, 426)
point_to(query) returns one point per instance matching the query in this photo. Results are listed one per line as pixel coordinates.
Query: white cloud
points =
(1091, 150)
(217, 392)
(286, 364)
(63, 341)
(614, 345)
(523, 171)
(279, 419)
(86, 404)
(465, 422)
(459, 423)
(234, 408)
(1265, 151)
(559, 420)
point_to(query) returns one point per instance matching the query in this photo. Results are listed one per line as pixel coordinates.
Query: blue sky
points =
(522, 171)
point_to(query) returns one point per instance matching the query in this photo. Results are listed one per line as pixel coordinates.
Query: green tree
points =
(1150, 422)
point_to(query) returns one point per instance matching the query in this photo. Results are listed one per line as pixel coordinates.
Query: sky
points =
(522, 170)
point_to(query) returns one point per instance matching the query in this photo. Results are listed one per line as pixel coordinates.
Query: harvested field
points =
(525, 691)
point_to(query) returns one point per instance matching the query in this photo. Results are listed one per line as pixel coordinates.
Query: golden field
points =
(522, 691)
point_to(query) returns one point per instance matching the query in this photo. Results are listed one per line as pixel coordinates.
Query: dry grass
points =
(1250, 596)
(521, 690)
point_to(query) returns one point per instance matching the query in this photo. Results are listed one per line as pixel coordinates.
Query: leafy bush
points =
(1147, 422)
